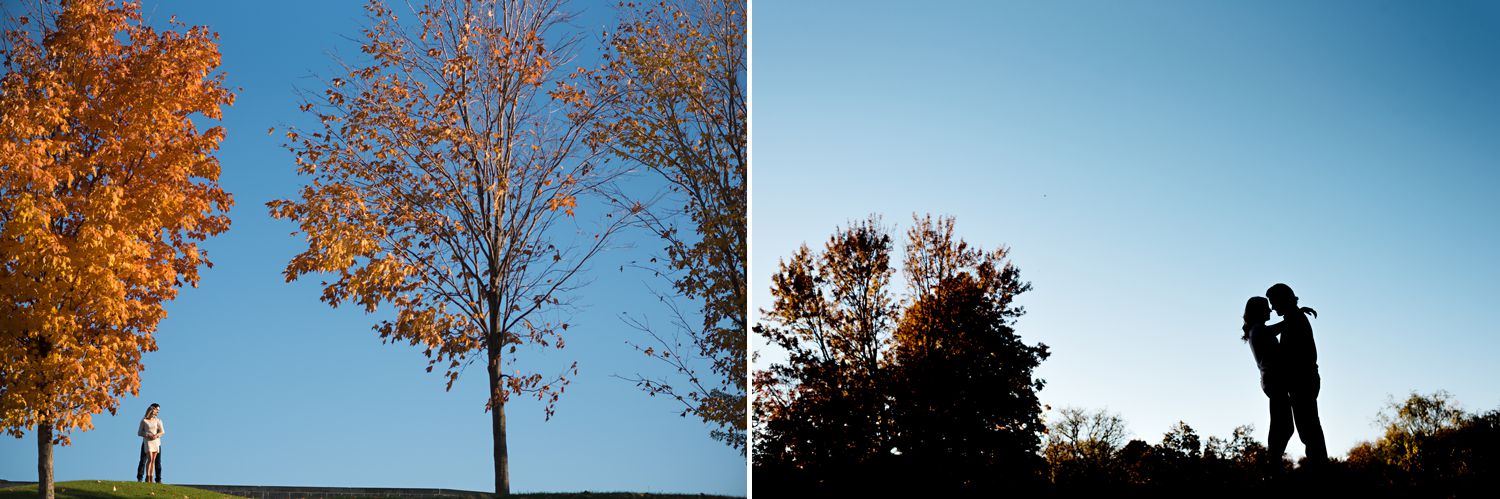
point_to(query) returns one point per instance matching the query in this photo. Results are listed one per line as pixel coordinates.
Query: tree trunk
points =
(496, 345)
(44, 460)
(497, 424)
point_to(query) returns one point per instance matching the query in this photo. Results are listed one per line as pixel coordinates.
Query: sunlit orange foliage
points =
(106, 185)
(447, 175)
(675, 84)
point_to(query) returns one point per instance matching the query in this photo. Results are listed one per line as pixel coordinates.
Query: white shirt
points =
(151, 427)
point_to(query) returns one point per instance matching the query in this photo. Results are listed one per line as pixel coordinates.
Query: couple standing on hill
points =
(151, 430)
(1288, 369)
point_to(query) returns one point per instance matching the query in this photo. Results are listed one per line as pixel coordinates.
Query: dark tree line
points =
(1088, 452)
(1429, 448)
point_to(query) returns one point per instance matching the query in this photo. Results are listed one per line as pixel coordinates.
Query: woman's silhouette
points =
(1267, 353)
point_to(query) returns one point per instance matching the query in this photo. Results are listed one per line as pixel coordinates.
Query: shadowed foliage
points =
(936, 385)
(1430, 448)
(1432, 445)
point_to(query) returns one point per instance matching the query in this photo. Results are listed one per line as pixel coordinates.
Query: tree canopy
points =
(936, 382)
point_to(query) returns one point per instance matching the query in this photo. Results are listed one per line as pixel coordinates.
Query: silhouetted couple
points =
(1288, 370)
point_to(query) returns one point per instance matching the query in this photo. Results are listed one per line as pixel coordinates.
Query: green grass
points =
(94, 489)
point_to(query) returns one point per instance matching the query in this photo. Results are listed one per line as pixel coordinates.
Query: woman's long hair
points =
(1257, 305)
(148, 411)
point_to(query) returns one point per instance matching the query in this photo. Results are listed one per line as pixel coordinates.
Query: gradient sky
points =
(1154, 164)
(261, 383)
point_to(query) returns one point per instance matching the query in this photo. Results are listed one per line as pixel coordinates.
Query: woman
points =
(1267, 351)
(151, 431)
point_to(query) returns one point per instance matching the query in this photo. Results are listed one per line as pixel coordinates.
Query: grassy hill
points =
(96, 489)
(100, 489)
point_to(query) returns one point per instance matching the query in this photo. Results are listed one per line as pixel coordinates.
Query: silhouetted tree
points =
(819, 415)
(1178, 458)
(1430, 448)
(964, 398)
(1087, 449)
(1180, 443)
(1133, 461)
(1433, 446)
(946, 394)
(1237, 460)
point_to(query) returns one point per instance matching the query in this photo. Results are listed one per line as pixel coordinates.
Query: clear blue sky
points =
(1154, 164)
(261, 383)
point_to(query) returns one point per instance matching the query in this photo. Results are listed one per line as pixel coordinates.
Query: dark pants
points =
(1281, 422)
(1293, 401)
(1302, 390)
(140, 469)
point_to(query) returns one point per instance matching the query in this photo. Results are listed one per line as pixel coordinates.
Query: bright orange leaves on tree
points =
(447, 175)
(106, 185)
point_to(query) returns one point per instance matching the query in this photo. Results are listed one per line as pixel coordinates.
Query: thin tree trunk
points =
(44, 460)
(495, 345)
(497, 425)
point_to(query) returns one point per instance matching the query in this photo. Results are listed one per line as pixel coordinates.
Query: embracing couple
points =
(1288, 369)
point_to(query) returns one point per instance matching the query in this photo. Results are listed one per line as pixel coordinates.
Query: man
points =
(1299, 357)
(140, 468)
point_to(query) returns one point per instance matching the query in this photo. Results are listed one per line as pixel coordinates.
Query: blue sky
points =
(1154, 164)
(261, 383)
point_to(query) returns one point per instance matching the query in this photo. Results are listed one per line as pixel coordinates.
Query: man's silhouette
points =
(1299, 360)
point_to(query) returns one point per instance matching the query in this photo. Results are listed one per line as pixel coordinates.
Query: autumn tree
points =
(674, 83)
(964, 397)
(1431, 444)
(106, 187)
(820, 414)
(936, 384)
(451, 175)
